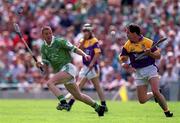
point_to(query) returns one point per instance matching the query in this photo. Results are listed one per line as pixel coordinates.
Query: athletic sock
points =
(95, 106)
(71, 102)
(62, 99)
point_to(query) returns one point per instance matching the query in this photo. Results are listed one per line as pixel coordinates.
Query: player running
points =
(145, 69)
(90, 45)
(56, 53)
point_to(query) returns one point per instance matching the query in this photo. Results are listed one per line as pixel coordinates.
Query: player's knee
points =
(80, 85)
(142, 101)
(156, 93)
(49, 84)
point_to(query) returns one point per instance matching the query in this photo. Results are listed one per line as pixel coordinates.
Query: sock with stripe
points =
(62, 99)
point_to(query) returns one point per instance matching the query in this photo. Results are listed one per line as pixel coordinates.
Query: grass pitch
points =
(43, 111)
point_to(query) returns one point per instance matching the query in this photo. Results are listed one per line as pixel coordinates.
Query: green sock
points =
(62, 99)
(95, 106)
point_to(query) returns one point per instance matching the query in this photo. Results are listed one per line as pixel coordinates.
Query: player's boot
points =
(103, 103)
(100, 110)
(69, 107)
(106, 109)
(70, 103)
(63, 106)
(168, 114)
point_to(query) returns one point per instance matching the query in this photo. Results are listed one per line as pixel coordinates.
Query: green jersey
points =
(57, 54)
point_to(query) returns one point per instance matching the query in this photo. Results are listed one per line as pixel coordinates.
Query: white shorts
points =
(143, 75)
(72, 70)
(92, 74)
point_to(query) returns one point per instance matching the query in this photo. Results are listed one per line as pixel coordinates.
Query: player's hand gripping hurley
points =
(153, 46)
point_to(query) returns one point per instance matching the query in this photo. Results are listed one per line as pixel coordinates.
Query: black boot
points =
(168, 114)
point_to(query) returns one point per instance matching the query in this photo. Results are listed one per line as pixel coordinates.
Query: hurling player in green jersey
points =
(56, 53)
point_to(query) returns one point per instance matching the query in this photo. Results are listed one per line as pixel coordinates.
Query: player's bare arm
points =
(96, 56)
(44, 66)
(80, 45)
(156, 54)
(126, 66)
(80, 52)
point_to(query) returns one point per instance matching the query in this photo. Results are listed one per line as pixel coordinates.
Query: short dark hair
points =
(45, 28)
(134, 28)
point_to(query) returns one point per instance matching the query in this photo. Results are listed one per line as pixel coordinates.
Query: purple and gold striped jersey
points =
(133, 50)
(90, 47)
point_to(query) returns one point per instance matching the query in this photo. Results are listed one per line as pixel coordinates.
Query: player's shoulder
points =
(148, 41)
(127, 44)
(94, 40)
(43, 47)
(59, 39)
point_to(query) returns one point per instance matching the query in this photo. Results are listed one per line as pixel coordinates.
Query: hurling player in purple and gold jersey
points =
(145, 69)
(90, 45)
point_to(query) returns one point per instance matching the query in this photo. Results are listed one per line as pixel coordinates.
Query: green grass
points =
(43, 111)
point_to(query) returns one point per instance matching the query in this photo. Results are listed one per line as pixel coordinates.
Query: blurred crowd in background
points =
(158, 18)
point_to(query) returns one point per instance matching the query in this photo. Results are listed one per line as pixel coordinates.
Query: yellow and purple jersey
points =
(90, 47)
(133, 50)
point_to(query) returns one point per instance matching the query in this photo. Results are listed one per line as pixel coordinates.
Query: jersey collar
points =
(141, 37)
(51, 42)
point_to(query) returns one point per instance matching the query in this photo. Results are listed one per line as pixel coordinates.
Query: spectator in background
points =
(23, 85)
(162, 65)
(37, 84)
(17, 68)
(178, 65)
(131, 87)
(106, 69)
(117, 82)
(169, 83)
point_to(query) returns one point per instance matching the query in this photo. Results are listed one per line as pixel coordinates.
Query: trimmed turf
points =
(43, 111)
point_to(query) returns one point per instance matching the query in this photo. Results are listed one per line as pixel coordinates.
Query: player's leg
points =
(99, 90)
(143, 95)
(74, 90)
(93, 75)
(59, 78)
(154, 82)
(80, 84)
(82, 80)
(142, 85)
